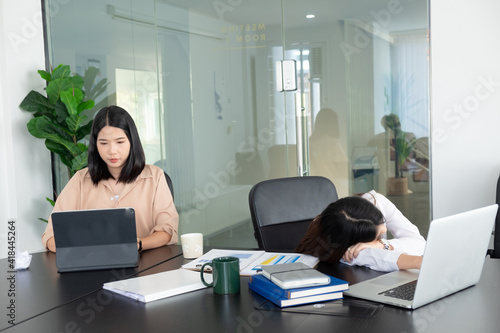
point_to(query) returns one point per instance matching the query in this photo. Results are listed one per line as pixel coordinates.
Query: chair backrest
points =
(283, 208)
(495, 252)
(169, 183)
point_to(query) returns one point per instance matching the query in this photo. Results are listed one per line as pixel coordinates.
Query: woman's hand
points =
(353, 251)
(51, 244)
(406, 261)
(156, 239)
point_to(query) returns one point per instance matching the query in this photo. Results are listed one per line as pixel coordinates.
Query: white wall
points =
(465, 163)
(25, 175)
(465, 110)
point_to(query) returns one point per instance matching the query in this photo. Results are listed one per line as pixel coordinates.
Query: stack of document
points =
(296, 284)
(251, 262)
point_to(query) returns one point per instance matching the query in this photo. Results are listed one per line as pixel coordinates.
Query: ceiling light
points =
(310, 16)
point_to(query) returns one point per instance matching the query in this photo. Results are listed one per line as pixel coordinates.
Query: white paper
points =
(275, 258)
(251, 261)
(23, 260)
(246, 257)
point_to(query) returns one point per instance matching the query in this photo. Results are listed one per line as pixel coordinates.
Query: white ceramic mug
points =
(192, 245)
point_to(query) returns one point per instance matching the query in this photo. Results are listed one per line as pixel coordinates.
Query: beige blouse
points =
(148, 195)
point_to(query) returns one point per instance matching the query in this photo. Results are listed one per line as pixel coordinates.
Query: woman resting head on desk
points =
(353, 230)
(118, 176)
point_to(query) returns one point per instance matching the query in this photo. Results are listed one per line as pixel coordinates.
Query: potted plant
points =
(59, 117)
(403, 146)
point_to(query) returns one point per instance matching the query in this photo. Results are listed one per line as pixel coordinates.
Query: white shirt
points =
(407, 238)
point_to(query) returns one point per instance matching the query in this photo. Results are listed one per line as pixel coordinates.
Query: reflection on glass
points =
(327, 156)
(137, 92)
(199, 79)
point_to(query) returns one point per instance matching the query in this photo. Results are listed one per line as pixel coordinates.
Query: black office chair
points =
(283, 208)
(162, 164)
(495, 252)
(169, 183)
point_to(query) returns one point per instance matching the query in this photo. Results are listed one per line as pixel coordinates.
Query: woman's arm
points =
(51, 244)
(152, 241)
(68, 199)
(165, 216)
(156, 239)
(406, 235)
(353, 251)
(385, 261)
(406, 261)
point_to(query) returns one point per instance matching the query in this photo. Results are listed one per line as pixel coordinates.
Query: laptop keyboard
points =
(404, 291)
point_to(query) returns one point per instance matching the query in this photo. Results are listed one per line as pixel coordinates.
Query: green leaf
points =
(61, 113)
(71, 102)
(36, 102)
(33, 127)
(57, 86)
(54, 69)
(45, 75)
(404, 146)
(86, 105)
(80, 161)
(58, 149)
(58, 118)
(71, 147)
(61, 71)
(77, 81)
(47, 128)
(82, 147)
(43, 128)
(79, 94)
(52, 202)
(66, 159)
(84, 131)
(392, 122)
(75, 121)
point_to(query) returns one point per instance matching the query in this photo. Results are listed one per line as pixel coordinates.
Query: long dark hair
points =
(343, 223)
(115, 116)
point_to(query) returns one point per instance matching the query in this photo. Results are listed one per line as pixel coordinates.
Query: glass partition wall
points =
(200, 80)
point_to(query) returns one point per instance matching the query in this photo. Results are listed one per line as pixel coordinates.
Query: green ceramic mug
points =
(226, 274)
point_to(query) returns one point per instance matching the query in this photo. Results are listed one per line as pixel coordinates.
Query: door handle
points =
(286, 75)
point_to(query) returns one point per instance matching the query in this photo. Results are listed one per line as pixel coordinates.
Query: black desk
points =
(472, 310)
(40, 288)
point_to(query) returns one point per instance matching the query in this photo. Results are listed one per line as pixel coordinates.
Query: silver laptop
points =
(453, 260)
(95, 239)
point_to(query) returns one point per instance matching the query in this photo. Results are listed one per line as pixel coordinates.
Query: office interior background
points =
(199, 78)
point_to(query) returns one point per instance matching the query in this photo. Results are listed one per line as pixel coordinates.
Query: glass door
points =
(362, 86)
(199, 78)
(222, 113)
